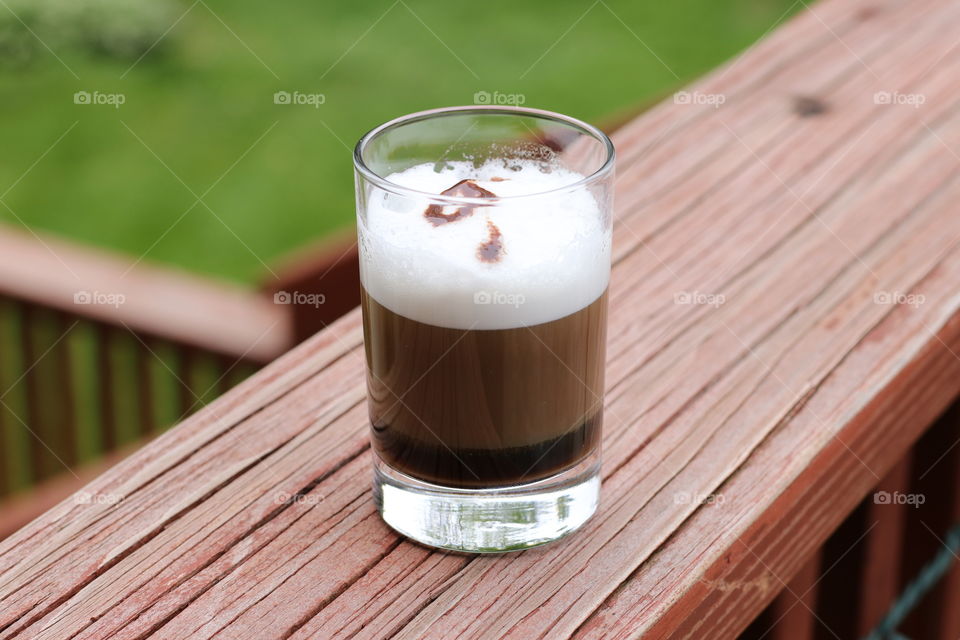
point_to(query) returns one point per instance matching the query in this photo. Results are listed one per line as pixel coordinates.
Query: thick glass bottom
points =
(488, 520)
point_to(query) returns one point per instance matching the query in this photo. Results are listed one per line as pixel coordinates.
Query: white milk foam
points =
(555, 256)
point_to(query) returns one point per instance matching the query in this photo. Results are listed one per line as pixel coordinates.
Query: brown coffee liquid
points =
(484, 408)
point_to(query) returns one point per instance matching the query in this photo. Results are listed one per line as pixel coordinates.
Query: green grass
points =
(201, 99)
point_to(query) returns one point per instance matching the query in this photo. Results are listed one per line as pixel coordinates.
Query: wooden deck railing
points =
(892, 546)
(100, 352)
(785, 324)
(96, 353)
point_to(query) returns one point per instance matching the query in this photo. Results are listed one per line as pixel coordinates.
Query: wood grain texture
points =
(785, 402)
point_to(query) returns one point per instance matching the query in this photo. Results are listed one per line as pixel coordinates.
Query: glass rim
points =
(380, 181)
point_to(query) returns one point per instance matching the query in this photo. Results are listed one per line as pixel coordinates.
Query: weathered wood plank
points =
(814, 470)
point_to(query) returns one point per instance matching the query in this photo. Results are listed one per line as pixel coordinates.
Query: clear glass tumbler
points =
(484, 237)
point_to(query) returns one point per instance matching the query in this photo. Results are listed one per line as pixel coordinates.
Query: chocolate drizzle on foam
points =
(554, 249)
(463, 189)
(488, 251)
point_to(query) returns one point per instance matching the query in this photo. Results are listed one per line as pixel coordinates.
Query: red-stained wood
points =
(318, 283)
(933, 475)
(17, 464)
(791, 399)
(803, 514)
(225, 367)
(103, 341)
(175, 306)
(187, 359)
(40, 465)
(794, 610)
(950, 620)
(881, 579)
(49, 419)
(62, 388)
(841, 587)
(145, 395)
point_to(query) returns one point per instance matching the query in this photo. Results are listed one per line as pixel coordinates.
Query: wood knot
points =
(807, 106)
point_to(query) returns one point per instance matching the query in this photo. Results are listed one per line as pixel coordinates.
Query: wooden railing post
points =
(934, 473)
(881, 578)
(794, 610)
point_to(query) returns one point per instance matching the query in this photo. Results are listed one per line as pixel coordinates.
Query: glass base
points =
(487, 520)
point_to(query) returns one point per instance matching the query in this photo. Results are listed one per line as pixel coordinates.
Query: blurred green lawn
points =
(199, 108)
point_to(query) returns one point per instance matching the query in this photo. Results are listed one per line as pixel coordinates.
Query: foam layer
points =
(517, 263)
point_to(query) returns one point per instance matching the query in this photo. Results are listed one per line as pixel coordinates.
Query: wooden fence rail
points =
(97, 352)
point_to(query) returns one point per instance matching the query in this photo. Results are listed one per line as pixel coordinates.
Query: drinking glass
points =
(484, 236)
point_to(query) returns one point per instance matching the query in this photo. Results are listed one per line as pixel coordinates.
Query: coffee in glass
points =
(485, 257)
